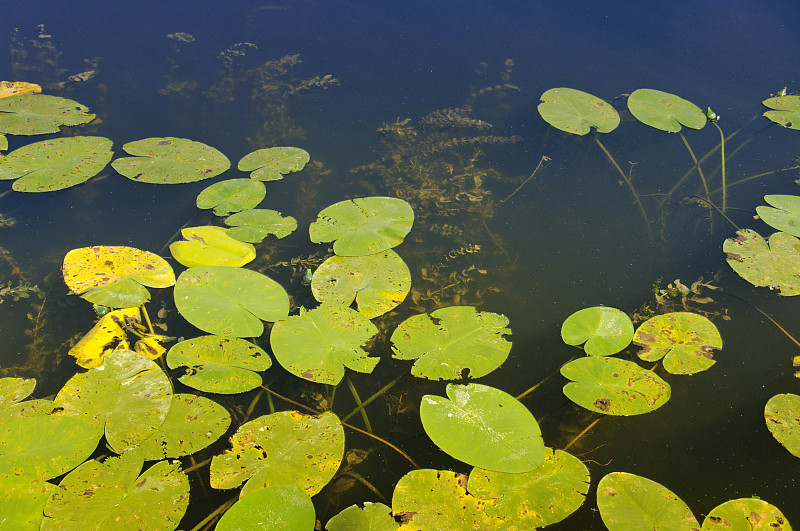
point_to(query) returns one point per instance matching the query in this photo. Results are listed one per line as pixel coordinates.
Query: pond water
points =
(250, 75)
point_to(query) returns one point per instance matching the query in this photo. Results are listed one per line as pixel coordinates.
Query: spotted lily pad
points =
(170, 161)
(255, 225)
(373, 517)
(272, 164)
(576, 112)
(211, 246)
(37, 114)
(782, 414)
(12, 88)
(278, 508)
(785, 215)
(22, 502)
(665, 111)
(785, 110)
(13, 390)
(685, 340)
(775, 265)
(605, 330)
(745, 514)
(3, 143)
(233, 195)
(614, 386)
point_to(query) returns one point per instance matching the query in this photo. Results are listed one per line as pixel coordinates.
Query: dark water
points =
(570, 238)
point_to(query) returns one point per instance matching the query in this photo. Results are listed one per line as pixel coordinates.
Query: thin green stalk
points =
(253, 405)
(523, 395)
(541, 161)
(722, 153)
(373, 397)
(758, 176)
(715, 207)
(696, 165)
(358, 401)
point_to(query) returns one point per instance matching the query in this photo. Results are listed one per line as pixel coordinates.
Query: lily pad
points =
(373, 517)
(453, 343)
(218, 364)
(272, 164)
(107, 335)
(363, 226)
(56, 164)
(170, 161)
(605, 330)
(255, 225)
(378, 282)
(533, 499)
(211, 246)
(13, 390)
(22, 502)
(775, 265)
(233, 195)
(782, 414)
(576, 112)
(746, 514)
(628, 502)
(228, 301)
(685, 340)
(278, 508)
(3, 142)
(26, 409)
(665, 111)
(284, 448)
(785, 216)
(614, 386)
(115, 276)
(12, 88)
(785, 110)
(317, 345)
(483, 427)
(38, 114)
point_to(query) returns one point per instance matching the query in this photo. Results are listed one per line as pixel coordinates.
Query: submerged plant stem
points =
(722, 153)
(358, 401)
(699, 169)
(581, 434)
(523, 395)
(715, 207)
(373, 397)
(541, 161)
(211, 518)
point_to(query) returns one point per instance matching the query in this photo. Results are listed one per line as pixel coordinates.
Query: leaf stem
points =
(373, 397)
(722, 153)
(541, 161)
(358, 401)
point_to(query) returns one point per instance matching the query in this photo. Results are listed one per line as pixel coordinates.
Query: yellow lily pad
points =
(12, 88)
(211, 246)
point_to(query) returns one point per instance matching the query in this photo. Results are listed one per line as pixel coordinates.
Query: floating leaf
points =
(255, 225)
(55, 164)
(775, 265)
(577, 112)
(786, 214)
(377, 282)
(211, 246)
(170, 161)
(746, 514)
(12, 88)
(284, 448)
(3, 143)
(13, 390)
(219, 365)
(22, 502)
(453, 343)
(272, 164)
(317, 345)
(614, 386)
(786, 110)
(233, 195)
(782, 414)
(373, 517)
(483, 427)
(228, 301)
(628, 502)
(26, 409)
(279, 508)
(114, 276)
(363, 226)
(605, 330)
(688, 341)
(106, 336)
(37, 114)
(665, 111)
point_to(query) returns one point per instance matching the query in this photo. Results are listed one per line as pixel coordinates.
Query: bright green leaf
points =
(373, 517)
(782, 414)
(745, 514)
(577, 112)
(605, 330)
(37, 114)
(688, 341)
(3, 142)
(278, 508)
(233, 195)
(665, 111)
(211, 246)
(272, 164)
(170, 161)
(785, 215)
(786, 110)
(775, 265)
(22, 502)
(13, 390)
(28, 408)
(255, 225)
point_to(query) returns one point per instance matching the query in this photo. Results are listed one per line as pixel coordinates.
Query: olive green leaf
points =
(3, 142)
(628, 502)
(373, 517)
(665, 111)
(37, 114)
(614, 386)
(13, 390)
(229, 301)
(218, 364)
(605, 330)
(272, 164)
(453, 343)
(483, 427)
(363, 226)
(55, 164)
(278, 508)
(577, 112)
(745, 514)
(775, 265)
(785, 215)
(688, 341)
(782, 414)
(785, 110)
(233, 195)
(170, 160)
(28, 408)
(211, 246)
(22, 502)
(378, 282)
(255, 225)
(317, 345)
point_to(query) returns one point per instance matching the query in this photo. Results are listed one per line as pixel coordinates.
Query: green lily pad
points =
(378, 282)
(665, 111)
(38, 114)
(785, 110)
(614, 386)
(363, 226)
(685, 340)
(128, 413)
(628, 502)
(22, 502)
(373, 517)
(255, 225)
(109, 495)
(533, 499)
(782, 414)
(193, 423)
(56, 164)
(228, 301)
(279, 508)
(453, 343)
(233, 195)
(745, 514)
(785, 216)
(28, 408)
(775, 265)
(605, 330)
(219, 364)
(284, 448)
(483, 427)
(317, 345)
(170, 161)
(211, 246)
(3, 142)
(272, 164)
(577, 112)
(13, 390)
